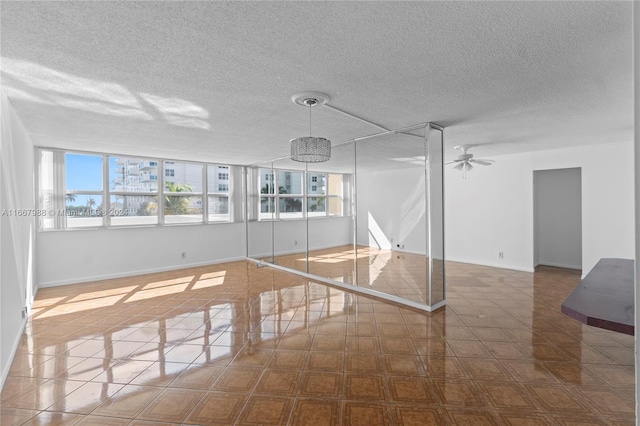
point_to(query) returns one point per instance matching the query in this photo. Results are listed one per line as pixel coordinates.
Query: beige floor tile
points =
(172, 405)
(266, 410)
(217, 408)
(266, 346)
(317, 412)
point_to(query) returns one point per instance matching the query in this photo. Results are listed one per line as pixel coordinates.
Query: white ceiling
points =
(213, 80)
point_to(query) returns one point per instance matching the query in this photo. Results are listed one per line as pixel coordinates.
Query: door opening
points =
(557, 204)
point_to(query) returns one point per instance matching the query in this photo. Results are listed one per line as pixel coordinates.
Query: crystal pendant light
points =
(310, 149)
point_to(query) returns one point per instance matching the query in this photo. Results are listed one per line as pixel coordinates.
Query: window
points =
(336, 195)
(267, 195)
(323, 196)
(133, 201)
(316, 194)
(218, 194)
(316, 206)
(83, 190)
(317, 183)
(289, 184)
(183, 193)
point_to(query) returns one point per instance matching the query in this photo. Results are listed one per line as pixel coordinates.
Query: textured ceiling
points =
(213, 80)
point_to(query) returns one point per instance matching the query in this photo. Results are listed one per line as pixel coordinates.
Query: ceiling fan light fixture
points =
(310, 149)
(464, 160)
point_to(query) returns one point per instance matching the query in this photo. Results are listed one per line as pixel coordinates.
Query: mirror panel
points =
(435, 194)
(261, 211)
(290, 226)
(329, 207)
(371, 216)
(391, 218)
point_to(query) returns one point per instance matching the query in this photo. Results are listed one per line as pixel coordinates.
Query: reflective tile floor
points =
(386, 271)
(236, 344)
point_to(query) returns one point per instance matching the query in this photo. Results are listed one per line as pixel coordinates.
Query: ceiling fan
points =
(464, 160)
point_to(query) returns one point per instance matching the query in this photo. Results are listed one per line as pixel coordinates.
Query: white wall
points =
(330, 232)
(558, 218)
(492, 210)
(391, 209)
(291, 235)
(17, 233)
(75, 256)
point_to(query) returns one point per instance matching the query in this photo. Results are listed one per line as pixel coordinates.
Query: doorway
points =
(557, 204)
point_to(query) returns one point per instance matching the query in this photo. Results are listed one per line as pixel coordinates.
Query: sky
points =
(84, 172)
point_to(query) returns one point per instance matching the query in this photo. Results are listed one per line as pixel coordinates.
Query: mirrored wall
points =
(371, 218)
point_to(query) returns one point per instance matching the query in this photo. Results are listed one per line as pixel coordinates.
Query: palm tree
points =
(71, 198)
(176, 204)
(91, 202)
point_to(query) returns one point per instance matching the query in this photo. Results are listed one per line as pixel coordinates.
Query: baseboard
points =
(14, 348)
(284, 253)
(357, 289)
(492, 265)
(408, 251)
(559, 265)
(133, 273)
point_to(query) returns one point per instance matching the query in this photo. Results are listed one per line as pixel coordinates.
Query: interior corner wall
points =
(83, 255)
(558, 218)
(391, 209)
(17, 231)
(491, 211)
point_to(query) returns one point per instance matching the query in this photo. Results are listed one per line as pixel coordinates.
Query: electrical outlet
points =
(501, 255)
(184, 254)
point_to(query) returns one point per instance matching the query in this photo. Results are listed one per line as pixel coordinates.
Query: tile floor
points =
(236, 344)
(396, 273)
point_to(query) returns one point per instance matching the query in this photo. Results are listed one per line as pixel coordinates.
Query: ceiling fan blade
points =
(482, 162)
(453, 161)
(459, 166)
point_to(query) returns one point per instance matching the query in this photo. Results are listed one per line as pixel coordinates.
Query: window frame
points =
(60, 192)
(88, 192)
(153, 162)
(208, 192)
(263, 176)
(201, 194)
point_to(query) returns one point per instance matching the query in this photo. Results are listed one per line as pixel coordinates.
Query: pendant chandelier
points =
(310, 149)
